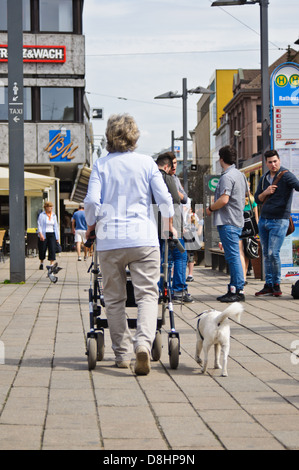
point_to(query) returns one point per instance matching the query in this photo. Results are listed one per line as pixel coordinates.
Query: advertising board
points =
(285, 139)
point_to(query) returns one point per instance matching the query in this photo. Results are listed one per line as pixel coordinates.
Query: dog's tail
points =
(234, 311)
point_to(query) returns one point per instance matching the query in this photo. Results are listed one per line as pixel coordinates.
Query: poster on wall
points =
(285, 139)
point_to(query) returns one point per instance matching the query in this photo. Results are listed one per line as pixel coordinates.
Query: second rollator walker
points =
(173, 335)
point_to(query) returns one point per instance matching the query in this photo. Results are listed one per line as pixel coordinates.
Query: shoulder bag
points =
(250, 228)
(251, 248)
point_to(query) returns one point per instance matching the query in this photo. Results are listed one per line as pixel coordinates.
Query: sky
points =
(138, 49)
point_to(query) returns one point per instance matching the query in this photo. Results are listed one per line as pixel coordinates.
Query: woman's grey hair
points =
(122, 133)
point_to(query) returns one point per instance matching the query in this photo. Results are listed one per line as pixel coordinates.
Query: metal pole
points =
(265, 93)
(265, 90)
(172, 141)
(16, 140)
(185, 150)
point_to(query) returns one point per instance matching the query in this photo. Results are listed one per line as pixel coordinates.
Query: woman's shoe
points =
(143, 365)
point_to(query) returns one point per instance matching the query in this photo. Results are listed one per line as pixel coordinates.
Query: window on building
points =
(27, 104)
(3, 104)
(259, 144)
(3, 16)
(259, 113)
(214, 113)
(56, 15)
(26, 15)
(57, 104)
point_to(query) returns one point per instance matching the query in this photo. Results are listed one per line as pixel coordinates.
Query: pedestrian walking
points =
(118, 206)
(227, 210)
(275, 194)
(179, 260)
(79, 227)
(48, 234)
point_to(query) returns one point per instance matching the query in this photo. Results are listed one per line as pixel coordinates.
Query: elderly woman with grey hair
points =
(118, 206)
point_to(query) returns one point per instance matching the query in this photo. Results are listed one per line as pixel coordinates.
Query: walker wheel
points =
(174, 352)
(100, 346)
(157, 346)
(92, 353)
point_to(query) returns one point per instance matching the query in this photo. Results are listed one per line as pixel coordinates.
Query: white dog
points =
(213, 328)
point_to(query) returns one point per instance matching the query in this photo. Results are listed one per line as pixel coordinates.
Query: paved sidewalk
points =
(49, 400)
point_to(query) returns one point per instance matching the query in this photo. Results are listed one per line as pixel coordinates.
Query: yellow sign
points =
(281, 80)
(294, 80)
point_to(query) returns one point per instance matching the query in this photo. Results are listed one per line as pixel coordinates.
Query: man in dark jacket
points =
(276, 200)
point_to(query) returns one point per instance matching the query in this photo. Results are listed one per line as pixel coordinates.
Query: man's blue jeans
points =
(230, 236)
(272, 234)
(179, 261)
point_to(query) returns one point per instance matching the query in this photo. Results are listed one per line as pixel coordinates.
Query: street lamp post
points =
(184, 96)
(265, 85)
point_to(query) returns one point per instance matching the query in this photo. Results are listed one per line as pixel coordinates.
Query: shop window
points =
(57, 104)
(4, 212)
(36, 207)
(26, 15)
(4, 104)
(56, 15)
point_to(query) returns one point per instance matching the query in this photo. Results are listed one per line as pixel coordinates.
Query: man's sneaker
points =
(186, 298)
(79, 258)
(190, 279)
(233, 297)
(223, 296)
(276, 290)
(143, 364)
(266, 290)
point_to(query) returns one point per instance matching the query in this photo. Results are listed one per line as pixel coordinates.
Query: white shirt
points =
(119, 199)
(50, 224)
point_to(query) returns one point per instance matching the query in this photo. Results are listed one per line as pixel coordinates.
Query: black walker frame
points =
(95, 337)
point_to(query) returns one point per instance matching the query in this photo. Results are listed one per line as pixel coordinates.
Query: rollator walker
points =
(95, 337)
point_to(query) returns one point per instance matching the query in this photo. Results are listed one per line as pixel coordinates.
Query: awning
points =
(81, 184)
(35, 184)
